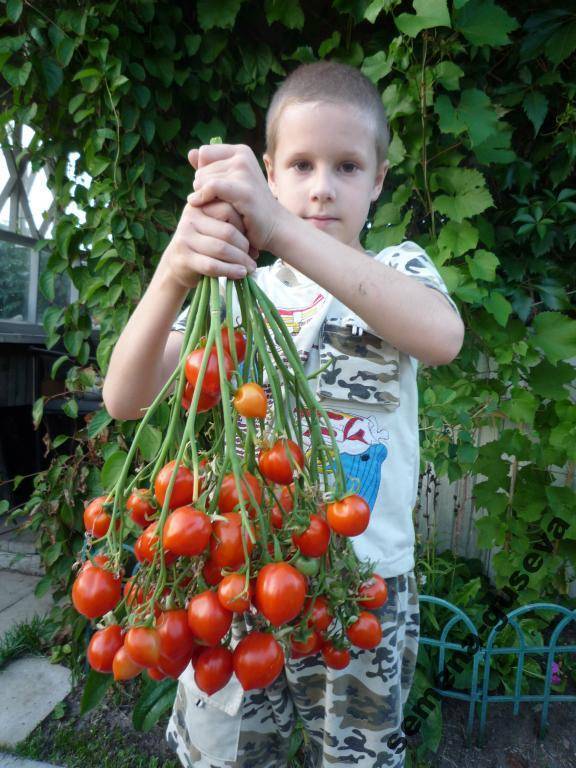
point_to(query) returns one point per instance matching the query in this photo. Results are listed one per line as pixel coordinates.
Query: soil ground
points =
(511, 742)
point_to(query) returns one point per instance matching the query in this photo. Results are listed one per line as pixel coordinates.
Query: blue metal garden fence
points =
(482, 654)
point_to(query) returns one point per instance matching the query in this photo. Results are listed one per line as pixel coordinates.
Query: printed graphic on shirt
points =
(362, 447)
(414, 261)
(294, 319)
(361, 368)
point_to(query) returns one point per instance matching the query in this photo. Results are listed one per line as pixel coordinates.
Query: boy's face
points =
(325, 169)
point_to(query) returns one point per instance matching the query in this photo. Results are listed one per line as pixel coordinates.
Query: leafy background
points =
(480, 98)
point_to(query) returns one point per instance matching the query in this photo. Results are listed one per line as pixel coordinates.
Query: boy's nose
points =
(322, 188)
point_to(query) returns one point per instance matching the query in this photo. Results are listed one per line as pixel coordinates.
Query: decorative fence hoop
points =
(478, 694)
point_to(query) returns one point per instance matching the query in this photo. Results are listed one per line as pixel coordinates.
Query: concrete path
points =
(10, 761)
(30, 686)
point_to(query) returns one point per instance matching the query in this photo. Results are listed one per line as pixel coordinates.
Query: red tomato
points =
(155, 674)
(183, 486)
(366, 632)
(212, 572)
(143, 646)
(123, 667)
(96, 519)
(275, 463)
(146, 544)
(176, 638)
(95, 592)
(226, 548)
(349, 516)
(233, 594)
(276, 517)
(103, 646)
(229, 498)
(239, 343)
(373, 593)
(211, 381)
(312, 644)
(173, 667)
(287, 498)
(206, 401)
(281, 591)
(140, 506)
(207, 619)
(97, 560)
(336, 658)
(133, 594)
(258, 660)
(213, 669)
(186, 531)
(315, 539)
(250, 401)
(320, 617)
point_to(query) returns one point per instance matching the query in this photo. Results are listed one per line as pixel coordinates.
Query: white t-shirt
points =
(370, 394)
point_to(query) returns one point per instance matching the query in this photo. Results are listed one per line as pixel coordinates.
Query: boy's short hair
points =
(333, 82)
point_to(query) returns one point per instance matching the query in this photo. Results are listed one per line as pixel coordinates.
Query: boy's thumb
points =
(193, 157)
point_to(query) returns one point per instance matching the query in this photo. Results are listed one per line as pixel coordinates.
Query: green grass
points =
(91, 747)
(27, 638)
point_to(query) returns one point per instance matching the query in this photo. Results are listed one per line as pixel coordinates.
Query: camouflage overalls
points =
(349, 715)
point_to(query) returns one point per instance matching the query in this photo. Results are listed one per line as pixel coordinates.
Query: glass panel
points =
(15, 283)
(61, 290)
(39, 197)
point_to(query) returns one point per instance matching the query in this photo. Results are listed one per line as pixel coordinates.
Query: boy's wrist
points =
(283, 233)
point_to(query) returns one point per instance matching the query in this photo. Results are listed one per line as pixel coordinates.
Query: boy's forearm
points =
(135, 373)
(413, 318)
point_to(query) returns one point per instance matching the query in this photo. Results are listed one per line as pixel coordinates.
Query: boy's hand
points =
(231, 172)
(209, 241)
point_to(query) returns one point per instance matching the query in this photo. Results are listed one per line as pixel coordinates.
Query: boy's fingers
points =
(224, 212)
(193, 158)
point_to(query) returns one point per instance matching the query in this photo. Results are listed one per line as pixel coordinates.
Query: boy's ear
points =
(270, 173)
(379, 180)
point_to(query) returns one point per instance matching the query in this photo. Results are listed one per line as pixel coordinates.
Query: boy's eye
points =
(302, 165)
(349, 167)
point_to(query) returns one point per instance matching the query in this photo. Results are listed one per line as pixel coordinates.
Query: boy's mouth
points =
(320, 220)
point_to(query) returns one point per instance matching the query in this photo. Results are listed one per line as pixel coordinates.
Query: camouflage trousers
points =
(351, 716)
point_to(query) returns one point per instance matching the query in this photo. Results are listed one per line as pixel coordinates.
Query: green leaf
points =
(155, 701)
(43, 586)
(149, 442)
(483, 265)
(57, 365)
(14, 9)
(535, 105)
(468, 192)
(53, 76)
(554, 335)
(222, 14)
(60, 440)
(129, 142)
(377, 66)
(482, 22)
(429, 14)
(499, 307)
(112, 468)
(521, 408)
(38, 412)
(329, 44)
(456, 239)
(448, 74)
(52, 554)
(17, 75)
(287, 12)
(244, 114)
(192, 43)
(562, 43)
(551, 381)
(98, 423)
(475, 113)
(148, 129)
(70, 408)
(376, 7)
(94, 690)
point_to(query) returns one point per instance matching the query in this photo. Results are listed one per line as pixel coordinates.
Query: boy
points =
(374, 316)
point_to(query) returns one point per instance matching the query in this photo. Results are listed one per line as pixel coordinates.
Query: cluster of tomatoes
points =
(260, 545)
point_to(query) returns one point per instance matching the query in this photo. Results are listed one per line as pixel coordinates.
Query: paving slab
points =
(11, 761)
(17, 600)
(31, 687)
(14, 586)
